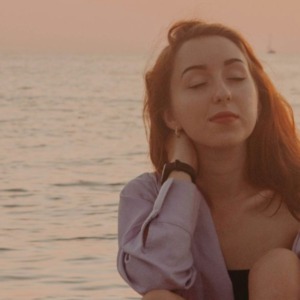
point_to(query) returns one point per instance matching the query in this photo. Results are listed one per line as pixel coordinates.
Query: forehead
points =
(208, 50)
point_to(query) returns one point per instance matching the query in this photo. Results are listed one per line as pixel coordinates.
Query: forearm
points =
(161, 295)
(157, 253)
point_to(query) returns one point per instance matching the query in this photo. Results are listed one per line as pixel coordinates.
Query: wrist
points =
(180, 175)
(180, 170)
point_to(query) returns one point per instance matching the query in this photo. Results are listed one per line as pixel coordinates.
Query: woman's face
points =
(213, 95)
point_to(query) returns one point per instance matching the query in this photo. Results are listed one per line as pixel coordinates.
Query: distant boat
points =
(271, 51)
(270, 48)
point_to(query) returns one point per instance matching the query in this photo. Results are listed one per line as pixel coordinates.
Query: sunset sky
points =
(139, 25)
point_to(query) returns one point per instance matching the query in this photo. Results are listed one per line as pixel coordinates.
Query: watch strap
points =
(177, 165)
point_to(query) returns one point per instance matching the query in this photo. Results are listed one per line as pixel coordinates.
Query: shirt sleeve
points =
(156, 227)
(296, 245)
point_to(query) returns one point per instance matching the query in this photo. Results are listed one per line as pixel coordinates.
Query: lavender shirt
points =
(182, 251)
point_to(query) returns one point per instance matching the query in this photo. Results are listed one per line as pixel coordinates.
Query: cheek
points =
(251, 109)
(259, 108)
(251, 101)
(257, 105)
(191, 112)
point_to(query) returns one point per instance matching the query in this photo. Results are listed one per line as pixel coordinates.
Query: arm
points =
(156, 226)
(162, 295)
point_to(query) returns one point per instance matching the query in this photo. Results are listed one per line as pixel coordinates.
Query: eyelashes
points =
(205, 83)
(237, 78)
(198, 85)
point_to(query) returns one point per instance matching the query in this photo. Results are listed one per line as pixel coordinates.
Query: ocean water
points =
(71, 137)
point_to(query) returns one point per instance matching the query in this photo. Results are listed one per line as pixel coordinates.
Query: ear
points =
(170, 120)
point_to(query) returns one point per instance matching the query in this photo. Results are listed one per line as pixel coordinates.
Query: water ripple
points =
(15, 190)
(78, 183)
(79, 238)
(20, 277)
(7, 249)
(84, 183)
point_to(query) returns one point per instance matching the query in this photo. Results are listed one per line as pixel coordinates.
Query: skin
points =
(205, 82)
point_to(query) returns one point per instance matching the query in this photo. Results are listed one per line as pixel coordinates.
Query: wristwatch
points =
(177, 165)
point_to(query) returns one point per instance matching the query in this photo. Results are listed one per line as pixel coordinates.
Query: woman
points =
(218, 219)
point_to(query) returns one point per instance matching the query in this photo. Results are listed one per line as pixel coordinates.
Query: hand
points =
(183, 149)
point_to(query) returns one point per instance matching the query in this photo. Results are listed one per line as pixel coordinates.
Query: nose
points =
(222, 92)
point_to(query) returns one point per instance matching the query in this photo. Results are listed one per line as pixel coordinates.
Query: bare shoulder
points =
(264, 224)
(289, 225)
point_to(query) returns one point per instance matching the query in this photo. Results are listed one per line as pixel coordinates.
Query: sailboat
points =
(270, 48)
(271, 51)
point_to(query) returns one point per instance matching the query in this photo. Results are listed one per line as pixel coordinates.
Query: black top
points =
(239, 279)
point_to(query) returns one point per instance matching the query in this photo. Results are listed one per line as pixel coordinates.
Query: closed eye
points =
(198, 85)
(237, 78)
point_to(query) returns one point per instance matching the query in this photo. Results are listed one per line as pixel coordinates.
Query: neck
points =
(222, 176)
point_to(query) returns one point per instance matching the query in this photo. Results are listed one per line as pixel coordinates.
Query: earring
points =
(177, 132)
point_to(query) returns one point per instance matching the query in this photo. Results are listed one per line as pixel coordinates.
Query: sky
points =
(138, 26)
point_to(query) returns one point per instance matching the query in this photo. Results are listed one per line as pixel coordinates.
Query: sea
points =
(72, 135)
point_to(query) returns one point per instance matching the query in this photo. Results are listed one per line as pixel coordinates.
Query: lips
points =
(224, 116)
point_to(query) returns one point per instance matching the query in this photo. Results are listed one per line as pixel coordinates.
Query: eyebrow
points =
(204, 67)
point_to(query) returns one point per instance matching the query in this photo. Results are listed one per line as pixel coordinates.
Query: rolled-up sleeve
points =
(156, 227)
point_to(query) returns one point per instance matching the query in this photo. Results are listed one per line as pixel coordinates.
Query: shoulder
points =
(145, 186)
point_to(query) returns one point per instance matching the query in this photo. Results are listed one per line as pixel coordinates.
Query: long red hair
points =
(273, 153)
